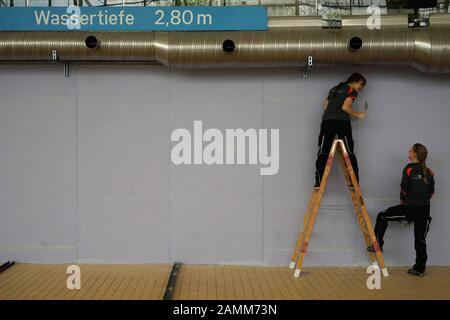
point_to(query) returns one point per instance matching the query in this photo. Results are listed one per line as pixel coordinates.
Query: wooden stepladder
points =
(360, 208)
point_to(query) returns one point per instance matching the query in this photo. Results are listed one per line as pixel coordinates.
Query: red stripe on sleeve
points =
(408, 171)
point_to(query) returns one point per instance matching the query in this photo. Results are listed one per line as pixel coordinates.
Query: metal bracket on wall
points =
(309, 66)
(55, 59)
(66, 70)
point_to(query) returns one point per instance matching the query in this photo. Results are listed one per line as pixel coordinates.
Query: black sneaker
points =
(417, 273)
(372, 249)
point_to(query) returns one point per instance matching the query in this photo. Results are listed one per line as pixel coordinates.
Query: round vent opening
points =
(91, 42)
(355, 43)
(228, 46)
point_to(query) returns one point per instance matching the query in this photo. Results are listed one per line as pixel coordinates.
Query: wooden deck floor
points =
(110, 282)
(33, 281)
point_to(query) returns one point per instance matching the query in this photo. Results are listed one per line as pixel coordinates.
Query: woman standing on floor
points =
(417, 188)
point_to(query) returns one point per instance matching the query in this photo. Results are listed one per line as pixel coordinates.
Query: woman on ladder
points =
(336, 121)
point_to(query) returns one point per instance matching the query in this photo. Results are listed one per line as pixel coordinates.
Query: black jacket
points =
(415, 190)
(336, 97)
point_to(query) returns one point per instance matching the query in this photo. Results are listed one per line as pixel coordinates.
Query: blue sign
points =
(74, 18)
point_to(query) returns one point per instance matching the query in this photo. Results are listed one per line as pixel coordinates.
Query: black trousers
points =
(329, 129)
(420, 215)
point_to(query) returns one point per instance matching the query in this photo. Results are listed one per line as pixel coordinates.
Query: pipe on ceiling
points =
(288, 42)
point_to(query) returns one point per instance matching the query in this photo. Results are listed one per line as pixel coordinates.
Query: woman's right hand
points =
(361, 115)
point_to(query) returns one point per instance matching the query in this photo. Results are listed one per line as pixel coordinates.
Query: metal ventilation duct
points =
(288, 42)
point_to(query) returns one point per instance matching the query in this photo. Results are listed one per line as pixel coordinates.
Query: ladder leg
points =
(361, 222)
(374, 240)
(304, 246)
(314, 210)
(365, 214)
(302, 233)
(363, 226)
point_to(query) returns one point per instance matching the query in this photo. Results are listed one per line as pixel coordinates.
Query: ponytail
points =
(424, 170)
(422, 152)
